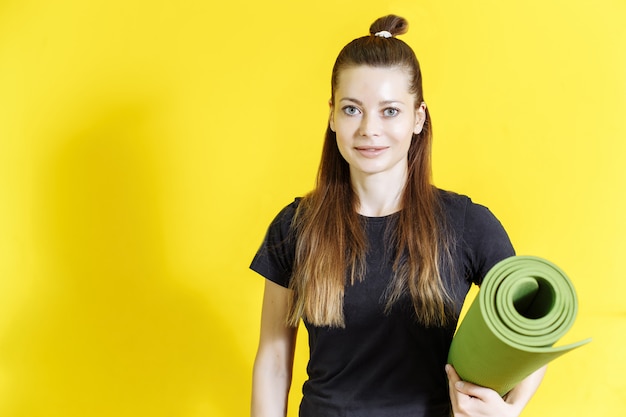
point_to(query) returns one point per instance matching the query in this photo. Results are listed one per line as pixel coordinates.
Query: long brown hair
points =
(331, 243)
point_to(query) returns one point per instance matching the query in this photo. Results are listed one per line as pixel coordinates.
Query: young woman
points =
(375, 260)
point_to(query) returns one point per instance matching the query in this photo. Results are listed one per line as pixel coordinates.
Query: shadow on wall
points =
(109, 331)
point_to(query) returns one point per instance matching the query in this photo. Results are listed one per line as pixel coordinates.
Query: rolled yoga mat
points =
(525, 304)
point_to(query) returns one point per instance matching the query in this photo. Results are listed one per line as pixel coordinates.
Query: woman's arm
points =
(473, 400)
(273, 365)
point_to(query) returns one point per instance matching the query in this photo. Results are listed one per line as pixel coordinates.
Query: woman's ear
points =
(331, 117)
(420, 118)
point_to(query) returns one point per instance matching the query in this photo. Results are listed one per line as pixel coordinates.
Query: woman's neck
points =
(379, 194)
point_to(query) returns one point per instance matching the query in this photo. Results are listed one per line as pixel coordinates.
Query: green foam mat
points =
(524, 306)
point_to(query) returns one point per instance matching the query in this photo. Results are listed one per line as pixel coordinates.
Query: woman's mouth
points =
(371, 151)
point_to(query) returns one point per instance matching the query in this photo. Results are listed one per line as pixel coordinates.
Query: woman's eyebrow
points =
(354, 100)
(382, 103)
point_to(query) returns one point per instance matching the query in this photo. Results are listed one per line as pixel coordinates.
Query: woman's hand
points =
(471, 400)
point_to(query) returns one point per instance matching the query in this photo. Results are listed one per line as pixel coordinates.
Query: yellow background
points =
(146, 145)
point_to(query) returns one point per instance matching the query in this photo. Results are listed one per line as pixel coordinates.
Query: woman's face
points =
(374, 116)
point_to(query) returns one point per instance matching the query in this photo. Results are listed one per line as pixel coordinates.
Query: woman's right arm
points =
(273, 365)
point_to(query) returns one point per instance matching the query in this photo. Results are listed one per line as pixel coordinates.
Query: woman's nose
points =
(370, 126)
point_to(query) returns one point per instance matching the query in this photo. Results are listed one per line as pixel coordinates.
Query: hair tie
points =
(383, 34)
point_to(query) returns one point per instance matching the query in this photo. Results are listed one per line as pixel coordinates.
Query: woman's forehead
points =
(390, 81)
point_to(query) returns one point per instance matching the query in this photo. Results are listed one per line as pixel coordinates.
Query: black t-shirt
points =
(386, 364)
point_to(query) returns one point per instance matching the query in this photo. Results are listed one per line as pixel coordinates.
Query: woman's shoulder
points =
(275, 257)
(285, 216)
(453, 204)
(461, 209)
(482, 238)
(451, 198)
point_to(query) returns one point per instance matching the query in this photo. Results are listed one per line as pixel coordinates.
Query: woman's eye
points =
(390, 112)
(350, 110)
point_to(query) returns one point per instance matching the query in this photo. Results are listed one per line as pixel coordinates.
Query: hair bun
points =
(393, 24)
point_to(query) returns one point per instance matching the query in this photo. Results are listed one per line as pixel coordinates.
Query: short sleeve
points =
(274, 259)
(486, 241)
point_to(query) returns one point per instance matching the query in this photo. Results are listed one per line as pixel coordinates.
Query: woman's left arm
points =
(471, 400)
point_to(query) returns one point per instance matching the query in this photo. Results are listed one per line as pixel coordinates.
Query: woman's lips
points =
(371, 151)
